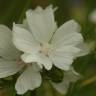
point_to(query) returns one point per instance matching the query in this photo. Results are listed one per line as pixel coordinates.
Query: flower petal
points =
(84, 49)
(67, 34)
(92, 16)
(24, 40)
(39, 58)
(69, 76)
(39, 9)
(40, 24)
(6, 44)
(8, 68)
(64, 56)
(29, 80)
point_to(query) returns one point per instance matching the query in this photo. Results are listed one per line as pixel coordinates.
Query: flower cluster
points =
(39, 44)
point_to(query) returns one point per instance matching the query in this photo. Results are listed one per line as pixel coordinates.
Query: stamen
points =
(44, 49)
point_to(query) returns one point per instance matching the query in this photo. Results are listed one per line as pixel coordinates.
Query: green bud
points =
(55, 74)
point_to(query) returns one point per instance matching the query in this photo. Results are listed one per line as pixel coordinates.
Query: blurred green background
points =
(14, 11)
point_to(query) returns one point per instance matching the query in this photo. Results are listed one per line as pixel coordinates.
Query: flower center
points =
(45, 48)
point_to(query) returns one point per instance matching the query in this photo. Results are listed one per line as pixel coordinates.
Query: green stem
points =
(23, 11)
(88, 81)
(15, 12)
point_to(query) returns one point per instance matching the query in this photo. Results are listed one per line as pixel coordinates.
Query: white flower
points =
(43, 43)
(92, 16)
(10, 64)
(70, 76)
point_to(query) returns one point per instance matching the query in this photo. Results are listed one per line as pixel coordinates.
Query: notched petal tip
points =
(29, 12)
(75, 24)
